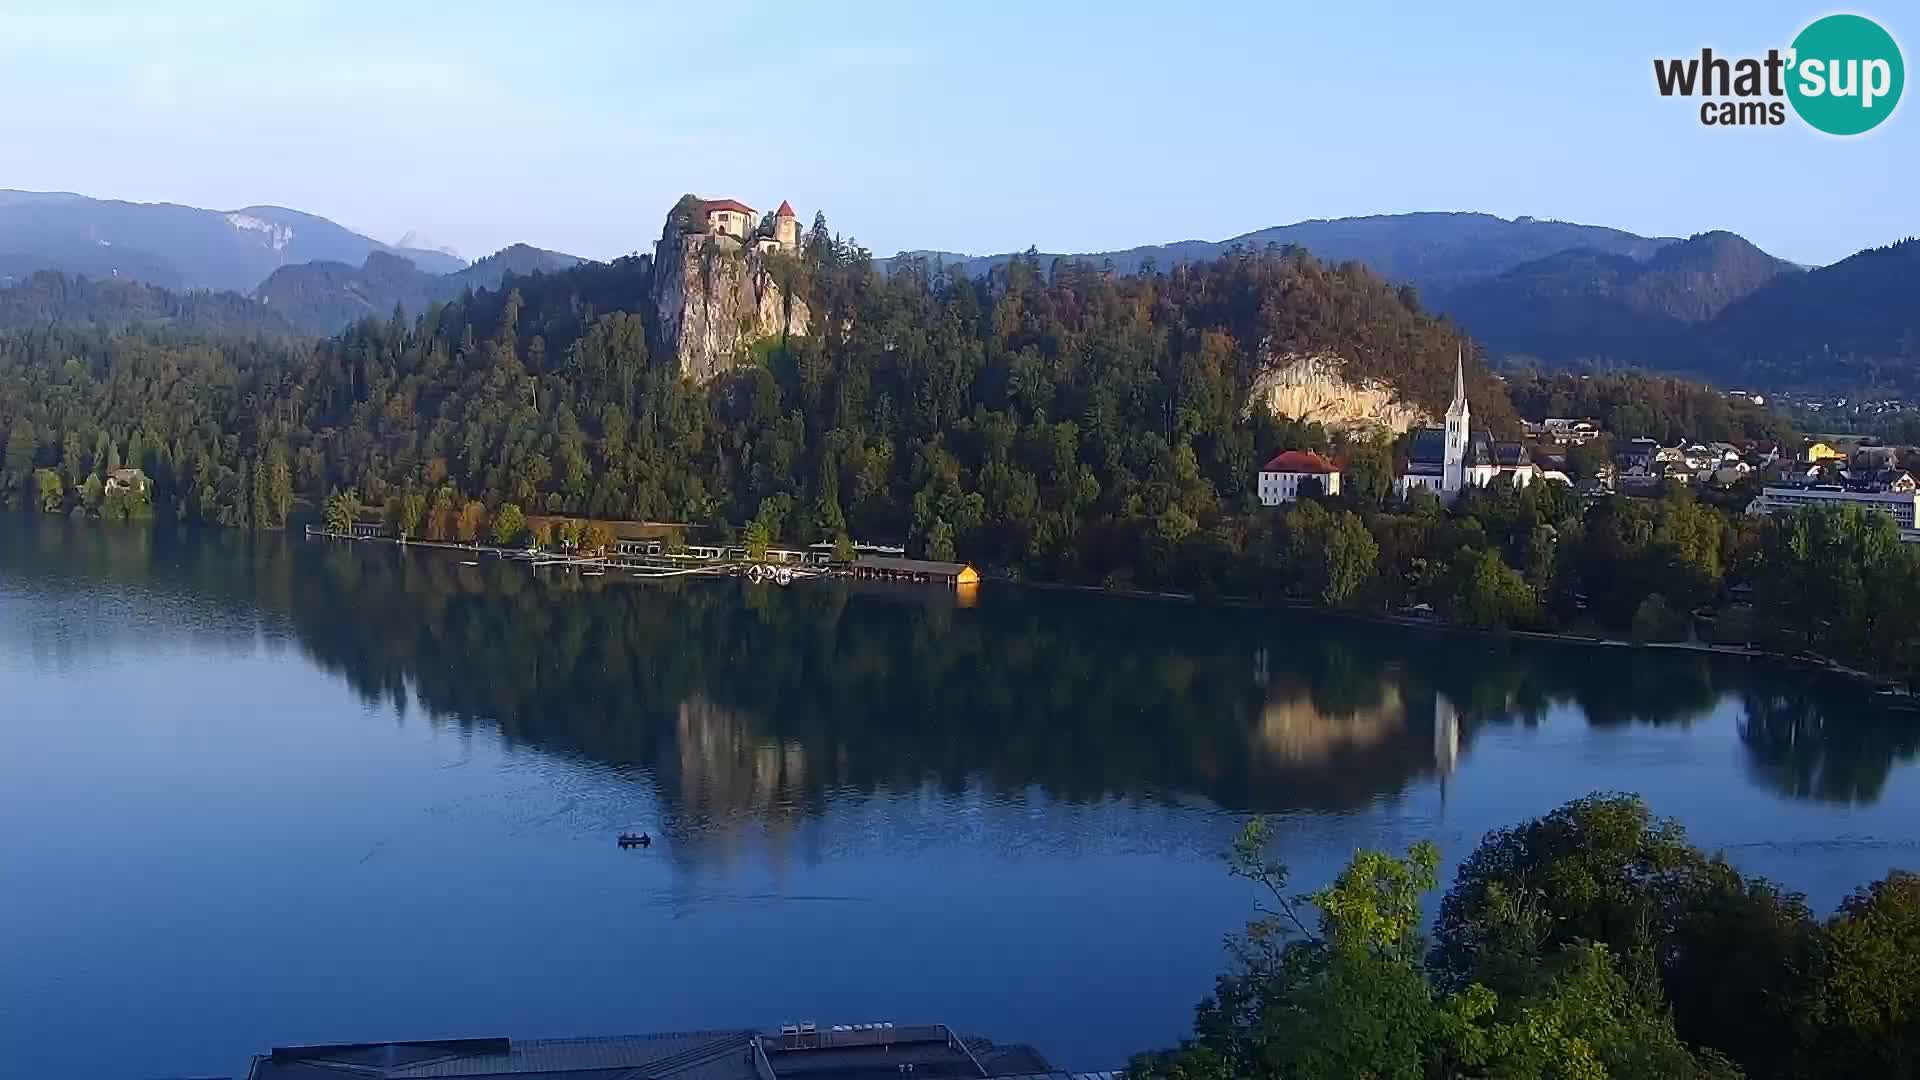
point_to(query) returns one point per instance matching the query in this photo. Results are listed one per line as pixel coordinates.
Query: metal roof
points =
(695, 1055)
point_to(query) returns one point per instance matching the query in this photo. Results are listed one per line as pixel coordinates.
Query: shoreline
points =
(1893, 694)
(1896, 696)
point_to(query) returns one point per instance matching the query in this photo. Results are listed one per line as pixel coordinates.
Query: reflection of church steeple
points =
(1446, 740)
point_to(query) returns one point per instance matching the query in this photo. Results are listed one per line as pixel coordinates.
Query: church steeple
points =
(1459, 404)
(1453, 472)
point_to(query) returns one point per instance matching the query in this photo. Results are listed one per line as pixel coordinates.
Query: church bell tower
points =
(1453, 477)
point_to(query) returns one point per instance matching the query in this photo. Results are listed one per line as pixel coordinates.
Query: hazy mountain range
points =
(321, 297)
(179, 247)
(1552, 292)
(1429, 250)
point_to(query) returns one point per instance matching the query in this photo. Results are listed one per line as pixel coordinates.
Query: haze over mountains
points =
(179, 247)
(1535, 291)
(1428, 250)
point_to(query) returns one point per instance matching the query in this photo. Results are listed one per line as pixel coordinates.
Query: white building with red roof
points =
(1280, 479)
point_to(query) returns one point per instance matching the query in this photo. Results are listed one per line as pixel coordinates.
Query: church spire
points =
(1459, 380)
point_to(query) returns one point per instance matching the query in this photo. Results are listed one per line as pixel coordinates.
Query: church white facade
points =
(1447, 460)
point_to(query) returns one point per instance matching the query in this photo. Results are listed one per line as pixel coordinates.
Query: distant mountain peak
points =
(415, 240)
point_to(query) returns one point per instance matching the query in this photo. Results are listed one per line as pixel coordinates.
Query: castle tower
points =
(786, 230)
(1453, 475)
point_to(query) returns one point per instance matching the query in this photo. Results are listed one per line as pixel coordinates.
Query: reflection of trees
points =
(1805, 748)
(755, 701)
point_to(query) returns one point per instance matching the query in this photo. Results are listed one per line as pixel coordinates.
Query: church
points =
(1447, 460)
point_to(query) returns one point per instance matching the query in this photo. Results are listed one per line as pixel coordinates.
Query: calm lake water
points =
(257, 792)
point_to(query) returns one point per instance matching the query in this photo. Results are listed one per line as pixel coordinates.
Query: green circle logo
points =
(1845, 75)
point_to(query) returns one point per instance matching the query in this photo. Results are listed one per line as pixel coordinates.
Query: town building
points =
(1899, 505)
(1449, 459)
(1281, 478)
(128, 480)
(1817, 452)
(1564, 431)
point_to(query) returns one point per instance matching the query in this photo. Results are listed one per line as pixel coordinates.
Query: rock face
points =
(1311, 386)
(715, 299)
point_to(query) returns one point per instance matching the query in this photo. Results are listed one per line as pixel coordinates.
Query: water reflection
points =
(754, 703)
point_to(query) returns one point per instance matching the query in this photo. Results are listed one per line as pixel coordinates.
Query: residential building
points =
(1817, 452)
(1898, 505)
(1280, 479)
(132, 480)
(1569, 432)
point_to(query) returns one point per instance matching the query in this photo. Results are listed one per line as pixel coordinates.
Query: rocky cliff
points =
(715, 299)
(1312, 386)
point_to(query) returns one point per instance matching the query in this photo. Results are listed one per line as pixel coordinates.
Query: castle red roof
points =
(736, 205)
(786, 209)
(1299, 461)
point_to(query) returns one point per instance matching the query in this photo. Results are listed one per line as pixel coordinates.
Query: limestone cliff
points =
(715, 299)
(1312, 386)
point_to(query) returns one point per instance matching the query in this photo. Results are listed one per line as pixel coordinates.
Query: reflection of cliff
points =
(1296, 731)
(728, 771)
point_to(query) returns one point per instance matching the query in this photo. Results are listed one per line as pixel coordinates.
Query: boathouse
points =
(890, 568)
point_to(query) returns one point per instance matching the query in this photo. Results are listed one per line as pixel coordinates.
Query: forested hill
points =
(46, 299)
(324, 297)
(1075, 424)
(1588, 302)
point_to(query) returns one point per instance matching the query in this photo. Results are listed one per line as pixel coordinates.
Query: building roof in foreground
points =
(1299, 461)
(844, 1053)
(786, 209)
(710, 205)
(695, 1055)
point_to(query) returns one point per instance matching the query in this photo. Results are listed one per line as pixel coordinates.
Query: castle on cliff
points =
(731, 221)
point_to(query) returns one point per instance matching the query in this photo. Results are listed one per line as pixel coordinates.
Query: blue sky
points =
(970, 127)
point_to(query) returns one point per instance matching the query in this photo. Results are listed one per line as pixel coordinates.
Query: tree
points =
(1368, 477)
(471, 518)
(410, 511)
(1868, 1006)
(342, 510)
(756, 540)
(940, 542)
(509, 522)
(1488, 593)
(19, 461)
(1349, 561)
(598, 537)
(1654, 620)
(51, 492)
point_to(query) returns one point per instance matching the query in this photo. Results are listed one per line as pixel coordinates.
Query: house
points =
(1280, 479)
(128, 480)
(1817, 452)
(1569, 432)
(1637, 458)
(1728, 475)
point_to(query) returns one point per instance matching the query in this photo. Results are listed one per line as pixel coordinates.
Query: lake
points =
(259, 791)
